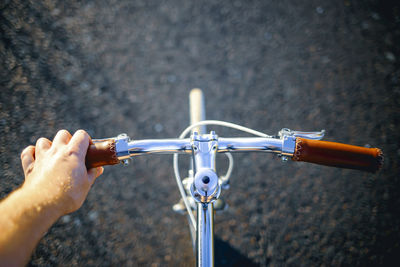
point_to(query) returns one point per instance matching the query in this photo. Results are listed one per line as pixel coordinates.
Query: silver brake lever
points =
(309, 135)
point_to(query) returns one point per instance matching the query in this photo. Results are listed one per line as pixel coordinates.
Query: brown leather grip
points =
(101, 153)
(338, 155)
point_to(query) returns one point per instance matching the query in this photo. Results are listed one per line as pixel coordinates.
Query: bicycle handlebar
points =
(112, 151)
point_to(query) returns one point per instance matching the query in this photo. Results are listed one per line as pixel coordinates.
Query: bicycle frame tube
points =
(205, 234)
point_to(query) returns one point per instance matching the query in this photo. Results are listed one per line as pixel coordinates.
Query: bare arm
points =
(56, 183)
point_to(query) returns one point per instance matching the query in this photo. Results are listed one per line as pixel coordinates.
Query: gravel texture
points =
(127, 66)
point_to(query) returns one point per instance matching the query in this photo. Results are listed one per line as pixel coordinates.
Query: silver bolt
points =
(125, 162)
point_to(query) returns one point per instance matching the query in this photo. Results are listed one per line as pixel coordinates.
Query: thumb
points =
(93, 173)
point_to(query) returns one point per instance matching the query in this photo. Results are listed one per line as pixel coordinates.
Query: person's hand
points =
(56, 183)
(55, 172)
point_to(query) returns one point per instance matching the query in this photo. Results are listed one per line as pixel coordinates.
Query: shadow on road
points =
(226, 255)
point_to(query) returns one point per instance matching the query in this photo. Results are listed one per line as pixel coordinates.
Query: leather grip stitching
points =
(298, 150)
(113, 149)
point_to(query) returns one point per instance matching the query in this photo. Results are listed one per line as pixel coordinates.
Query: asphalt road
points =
(127, 66)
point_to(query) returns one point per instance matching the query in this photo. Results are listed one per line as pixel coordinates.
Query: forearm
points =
(24, 219)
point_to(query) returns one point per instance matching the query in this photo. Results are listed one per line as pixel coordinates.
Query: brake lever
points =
(308, 135)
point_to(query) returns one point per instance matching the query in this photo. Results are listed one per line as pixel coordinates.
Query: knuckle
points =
(82, 136)
(26, 150)
(23, 153)
(42, 140)
(62, 132)
(81, 131)
(43, 144)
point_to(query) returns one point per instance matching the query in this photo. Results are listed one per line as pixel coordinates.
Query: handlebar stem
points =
(205, 188)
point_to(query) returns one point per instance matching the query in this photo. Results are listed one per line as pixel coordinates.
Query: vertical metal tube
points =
(205, 211)
(197, 110)
(205, 235)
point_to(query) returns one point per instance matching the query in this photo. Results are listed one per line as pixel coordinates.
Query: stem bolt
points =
(206, 179)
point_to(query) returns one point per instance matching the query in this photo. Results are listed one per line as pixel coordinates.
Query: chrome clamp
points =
(122, 148)
(288, 138)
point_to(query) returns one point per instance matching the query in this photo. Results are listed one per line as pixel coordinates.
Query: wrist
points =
(25, 216)
(41, 202)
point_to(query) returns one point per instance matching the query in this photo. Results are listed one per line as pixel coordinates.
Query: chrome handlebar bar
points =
(283, 144)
